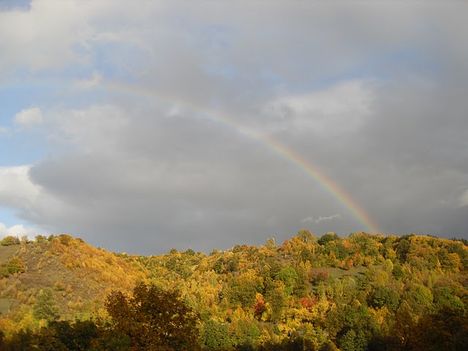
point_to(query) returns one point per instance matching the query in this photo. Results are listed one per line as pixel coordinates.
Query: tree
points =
(353, 340)
(276, 298)
(445, 298)
(15, 265)
(445, 330)
(45, 307)
(419, 297)
(288, 275)
(326, 238)
(384, 296)
(216, 336)
(9, 240)
(154, 319)
(306, 236)
(243, 289)
(64, 335)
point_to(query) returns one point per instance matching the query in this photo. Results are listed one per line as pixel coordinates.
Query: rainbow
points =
(313, 171)
(325, 181)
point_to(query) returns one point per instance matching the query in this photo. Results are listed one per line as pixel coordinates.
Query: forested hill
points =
(321, 293)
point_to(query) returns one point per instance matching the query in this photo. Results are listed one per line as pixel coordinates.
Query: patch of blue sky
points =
(17, 96)
(48, 90)
(117, 61)
(20, 148)
(8, 5)
(8, 217)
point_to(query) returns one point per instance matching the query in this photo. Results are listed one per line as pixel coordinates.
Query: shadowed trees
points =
(154, 319)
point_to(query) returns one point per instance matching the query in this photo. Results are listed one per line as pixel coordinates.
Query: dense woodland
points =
(361, 292)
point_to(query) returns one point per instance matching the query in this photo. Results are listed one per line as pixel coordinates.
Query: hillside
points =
(79, 275)
(328, 291)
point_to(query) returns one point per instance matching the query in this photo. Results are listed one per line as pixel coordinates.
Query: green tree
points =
(45, 307)
(243, 289)
(353, 340)
(445, 298)
(419, 297)
(289, 277)
(276, 298)
(15, 265)
(245, 334)
(216, 336)
(328, 237)
(10, 240)
(384, 296)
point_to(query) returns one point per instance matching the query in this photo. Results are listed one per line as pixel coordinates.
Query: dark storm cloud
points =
(173, 181)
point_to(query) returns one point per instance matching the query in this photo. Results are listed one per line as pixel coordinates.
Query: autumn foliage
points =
(361, 292)
(153, 319)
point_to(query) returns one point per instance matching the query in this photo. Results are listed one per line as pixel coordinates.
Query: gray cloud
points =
(177, 181)
(373, 95)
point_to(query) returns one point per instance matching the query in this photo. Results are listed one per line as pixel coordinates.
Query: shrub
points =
(45, 307)
(384, 296)
(15, 265)
(216, 336)
(10, 240)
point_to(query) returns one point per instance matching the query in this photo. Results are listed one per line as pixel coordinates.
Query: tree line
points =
(361, 292)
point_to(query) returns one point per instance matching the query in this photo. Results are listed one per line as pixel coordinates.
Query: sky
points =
(204, 124)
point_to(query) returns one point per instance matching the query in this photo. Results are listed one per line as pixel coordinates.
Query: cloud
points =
(86, 128)
(321, 219)
(342, 108)
(173, 182)
(93, 81)
(18, 230)
(29, 117)
(154, 149)
(463, 200)
(16, 188)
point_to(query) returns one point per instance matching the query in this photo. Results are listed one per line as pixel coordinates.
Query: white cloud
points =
(97, 127)
(339, 109)
(18, 230)
(319, 219)
(41, 37)
(29, 117)
(463, 200)
(308, 219)
(91, 82)
(55, 34)
(16, 188)
(29, 200)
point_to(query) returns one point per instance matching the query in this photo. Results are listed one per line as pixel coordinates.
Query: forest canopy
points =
(361, 292)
